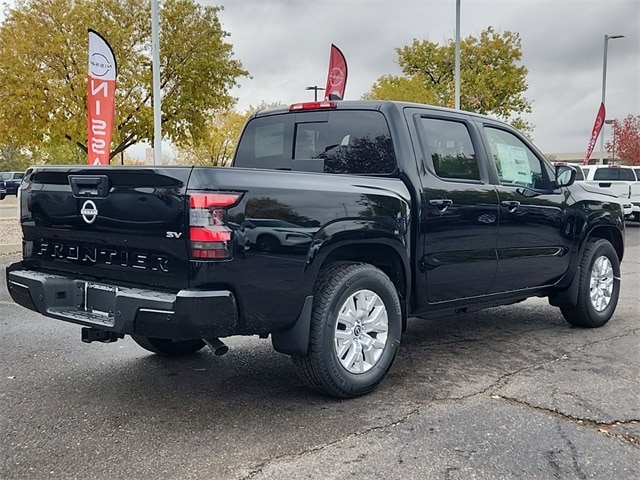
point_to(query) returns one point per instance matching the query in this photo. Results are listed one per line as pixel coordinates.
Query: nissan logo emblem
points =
(89, 211)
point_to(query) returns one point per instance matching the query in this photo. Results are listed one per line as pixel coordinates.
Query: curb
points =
(10, 248)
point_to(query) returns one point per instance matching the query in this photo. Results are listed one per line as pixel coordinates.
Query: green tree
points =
(492, 82)
(13, 158)
(43, 66)
(217, 144)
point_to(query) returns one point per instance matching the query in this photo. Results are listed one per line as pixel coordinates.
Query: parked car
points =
(3, 190)
(619, 180)
(12, 181)
(635, 201)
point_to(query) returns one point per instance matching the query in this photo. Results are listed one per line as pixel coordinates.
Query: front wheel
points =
(355, 330)
(168, 348)
(598, 288)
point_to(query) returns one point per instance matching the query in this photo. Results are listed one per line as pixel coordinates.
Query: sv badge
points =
(174, 234)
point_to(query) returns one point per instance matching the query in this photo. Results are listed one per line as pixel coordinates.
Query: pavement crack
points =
(565, 356)
(258, 469)
(606, 428)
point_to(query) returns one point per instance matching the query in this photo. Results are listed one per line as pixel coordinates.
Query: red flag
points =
(101, 94)
(597, 126)
(337, 78)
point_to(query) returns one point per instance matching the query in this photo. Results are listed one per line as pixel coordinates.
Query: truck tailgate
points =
(121, 223)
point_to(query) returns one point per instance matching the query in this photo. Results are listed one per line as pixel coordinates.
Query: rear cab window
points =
(614, 174)
(337, 141)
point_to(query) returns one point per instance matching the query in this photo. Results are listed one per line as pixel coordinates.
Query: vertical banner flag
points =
(337, 78)
(597, 126)
(100, 99)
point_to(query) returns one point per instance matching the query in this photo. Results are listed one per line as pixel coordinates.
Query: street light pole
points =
(315, 89)
(613, 142)
(457, 58)
(604, 87)
(157, 95)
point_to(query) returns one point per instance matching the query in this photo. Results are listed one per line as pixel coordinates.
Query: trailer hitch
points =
(98, 335)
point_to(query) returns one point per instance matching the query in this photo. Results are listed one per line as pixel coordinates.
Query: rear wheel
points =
(599, 286)
(168, 348)
(355, 331)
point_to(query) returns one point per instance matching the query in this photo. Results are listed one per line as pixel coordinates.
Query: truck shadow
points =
(444, 358)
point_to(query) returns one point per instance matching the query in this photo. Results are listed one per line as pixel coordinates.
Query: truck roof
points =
(363, 105)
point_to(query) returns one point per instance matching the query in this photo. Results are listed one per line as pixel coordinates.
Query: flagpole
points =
(157, 107)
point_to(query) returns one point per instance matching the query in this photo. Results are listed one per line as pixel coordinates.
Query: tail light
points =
(211, 237)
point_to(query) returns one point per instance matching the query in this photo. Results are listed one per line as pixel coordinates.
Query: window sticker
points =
(514, 164)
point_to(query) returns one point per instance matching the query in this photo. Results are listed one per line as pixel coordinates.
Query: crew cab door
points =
(535, 231)
(458, 222)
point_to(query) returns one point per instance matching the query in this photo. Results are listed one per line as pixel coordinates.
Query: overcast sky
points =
(285, 46)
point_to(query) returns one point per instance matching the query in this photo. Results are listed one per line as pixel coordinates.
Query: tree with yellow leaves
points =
(492, 81)
(43, 67)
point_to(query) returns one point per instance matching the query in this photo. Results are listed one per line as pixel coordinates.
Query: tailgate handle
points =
(89, 186)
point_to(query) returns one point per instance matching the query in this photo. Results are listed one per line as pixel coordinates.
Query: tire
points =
(267, 243)
(598, 288)
(351, 348)
(2, 195)
(168, 348)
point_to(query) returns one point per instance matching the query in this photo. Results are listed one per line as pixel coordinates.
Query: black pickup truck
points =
(336, 222)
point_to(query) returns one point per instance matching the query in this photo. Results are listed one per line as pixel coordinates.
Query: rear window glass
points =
(356, 142)
(609, 173)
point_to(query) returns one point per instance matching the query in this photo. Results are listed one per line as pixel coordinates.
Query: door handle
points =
(441, 203)
(511, 205)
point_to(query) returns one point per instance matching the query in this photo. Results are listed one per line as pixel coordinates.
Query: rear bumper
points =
(185, 315)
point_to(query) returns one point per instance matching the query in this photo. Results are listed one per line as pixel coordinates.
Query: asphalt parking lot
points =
(511, 393)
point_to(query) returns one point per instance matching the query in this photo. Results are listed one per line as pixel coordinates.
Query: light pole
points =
(457, 59)
(613, 142)
(315, 89)
(604, 87)
(157, 94)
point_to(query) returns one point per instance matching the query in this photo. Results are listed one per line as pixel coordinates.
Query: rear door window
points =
(450, 147)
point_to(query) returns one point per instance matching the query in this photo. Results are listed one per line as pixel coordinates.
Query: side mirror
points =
(565, 175)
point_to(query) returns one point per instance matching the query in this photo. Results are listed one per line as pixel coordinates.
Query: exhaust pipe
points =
(217, 346)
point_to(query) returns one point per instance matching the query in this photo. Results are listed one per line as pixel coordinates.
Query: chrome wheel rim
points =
(361, 331)
(601, 284)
